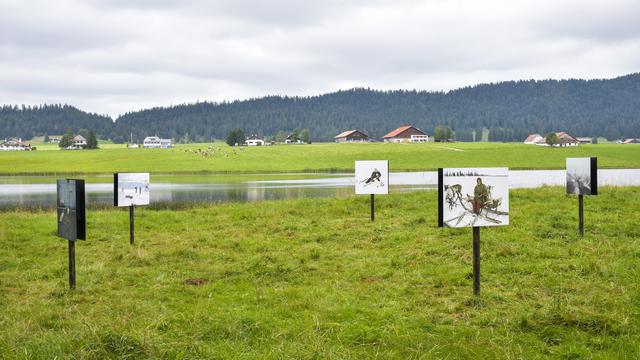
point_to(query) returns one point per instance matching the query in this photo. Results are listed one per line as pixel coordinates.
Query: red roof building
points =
(407, 133)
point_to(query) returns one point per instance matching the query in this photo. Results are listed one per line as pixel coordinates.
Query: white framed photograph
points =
(582, 176)
(473, 197)
(372, 177)
(131, 189)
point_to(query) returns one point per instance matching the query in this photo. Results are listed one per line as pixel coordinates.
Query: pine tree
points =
(67, 140)
(305, 136)
(92, 142)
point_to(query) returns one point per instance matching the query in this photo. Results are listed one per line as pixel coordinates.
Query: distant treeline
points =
(510, 110)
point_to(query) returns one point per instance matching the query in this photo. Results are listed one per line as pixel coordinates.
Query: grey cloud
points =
(116, 56)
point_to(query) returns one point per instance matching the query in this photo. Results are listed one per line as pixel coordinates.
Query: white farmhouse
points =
(254, 140)
(14, 145)
(155, 142)
(79, 141)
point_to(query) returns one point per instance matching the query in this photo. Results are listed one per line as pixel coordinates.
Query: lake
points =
(19, 191)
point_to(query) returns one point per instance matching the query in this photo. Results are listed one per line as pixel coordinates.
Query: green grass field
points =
(315, 279)
(311, 158)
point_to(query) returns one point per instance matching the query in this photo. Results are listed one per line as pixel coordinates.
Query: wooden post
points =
(131, 225)
(581, 214)
(373, 212)
(476, 260)
(72, 264)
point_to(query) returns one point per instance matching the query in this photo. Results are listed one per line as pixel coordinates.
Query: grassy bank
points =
(315, 279)
(311, 158)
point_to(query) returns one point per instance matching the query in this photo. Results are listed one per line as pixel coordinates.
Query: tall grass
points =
(315, 278)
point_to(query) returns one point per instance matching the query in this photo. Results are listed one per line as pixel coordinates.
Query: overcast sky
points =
(114, 56)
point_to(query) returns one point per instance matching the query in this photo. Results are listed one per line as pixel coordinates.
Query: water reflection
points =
(40, 191)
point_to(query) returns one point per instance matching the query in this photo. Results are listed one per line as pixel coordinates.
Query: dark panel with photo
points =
(582, 176)
(71, 209)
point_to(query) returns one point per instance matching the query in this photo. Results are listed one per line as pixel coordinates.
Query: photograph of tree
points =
(582, 176)
(71, 209)
(131, 189)
(372, 177)
(473, 197)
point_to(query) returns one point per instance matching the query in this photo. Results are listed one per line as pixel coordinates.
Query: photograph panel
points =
(579, 179)
(131, 189)
(372, 177)
(471, 197)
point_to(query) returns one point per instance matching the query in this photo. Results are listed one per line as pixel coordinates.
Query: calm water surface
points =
(40, 190)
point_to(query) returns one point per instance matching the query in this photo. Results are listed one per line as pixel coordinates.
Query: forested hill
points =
(26, 122)
(511, 110)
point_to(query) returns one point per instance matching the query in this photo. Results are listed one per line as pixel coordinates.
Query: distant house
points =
(289, 140)
(14, 145)
(254, 140)
(78, 142)
(631, 141)
(565, 139)
(55, 139)
(585, 140)
(535, 139)
(154, 142)
(406, 133)
(351, 136)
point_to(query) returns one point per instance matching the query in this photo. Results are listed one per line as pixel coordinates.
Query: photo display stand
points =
(71, 218)
(372, 177)
(582, 179)
(129, 190)
(473, 197)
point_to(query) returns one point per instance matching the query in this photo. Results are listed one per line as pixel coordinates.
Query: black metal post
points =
(373, 207)
(581, 214)
(476, 260)
(72, 264)
(131, 225)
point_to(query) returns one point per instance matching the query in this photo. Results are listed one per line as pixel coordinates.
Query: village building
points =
(14, 145)
(535, 139)
(585, 140)
(351, 136)
(406, 133)
(289, 140)
(565, 139)
(631, 141)
(77, 142)
(254, 140)
(55, 139)
(154, 142)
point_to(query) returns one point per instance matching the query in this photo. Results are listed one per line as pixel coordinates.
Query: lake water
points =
(41, 190)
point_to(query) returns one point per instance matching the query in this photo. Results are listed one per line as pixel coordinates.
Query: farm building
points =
(352, 136)
(407, 133)
(78, 142)
(14, 145)
(154, 142)
(254, 140)
(565, 139)
(585, 140)
(631, 141)
(289, 140)
(535, 139)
